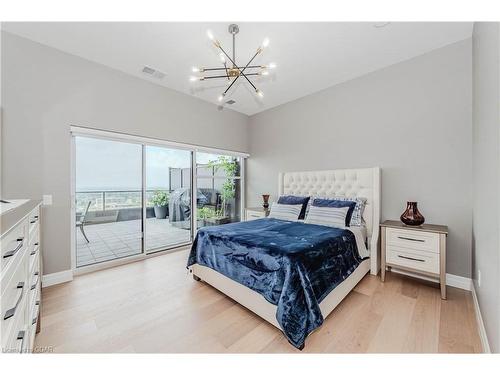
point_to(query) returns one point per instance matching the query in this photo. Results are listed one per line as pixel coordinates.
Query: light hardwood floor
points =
(155, 306)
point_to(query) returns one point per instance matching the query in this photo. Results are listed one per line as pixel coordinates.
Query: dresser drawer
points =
(15, 334)
(12, 246)
(413, 240)
(34, 311)
(14, 291)
(417, 260)
(34, 235)
(34, 282)
(34, 258)
(34, 219)
(13, 306)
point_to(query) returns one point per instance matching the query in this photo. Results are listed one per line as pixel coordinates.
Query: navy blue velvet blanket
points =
(292, 265)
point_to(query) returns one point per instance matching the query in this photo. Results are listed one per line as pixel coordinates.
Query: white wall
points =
(412, 119)
(45, 91)
(486, 144)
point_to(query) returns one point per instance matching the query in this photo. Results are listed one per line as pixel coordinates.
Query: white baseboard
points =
(57, 278)
(458, 282)
(480, 323)
(451, 280)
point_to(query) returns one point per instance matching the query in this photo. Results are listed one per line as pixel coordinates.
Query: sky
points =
(110, 165)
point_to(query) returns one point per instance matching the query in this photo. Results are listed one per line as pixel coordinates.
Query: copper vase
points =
(412, 215)
(265, 199)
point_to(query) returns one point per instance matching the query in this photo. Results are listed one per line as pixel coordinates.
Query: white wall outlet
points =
(47, 200)
(479, 278)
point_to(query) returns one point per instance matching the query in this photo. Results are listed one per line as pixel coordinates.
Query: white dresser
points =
(20, 274)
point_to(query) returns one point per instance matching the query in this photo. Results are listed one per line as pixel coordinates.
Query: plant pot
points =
(161, 212)
(412, 215)
(217, 220)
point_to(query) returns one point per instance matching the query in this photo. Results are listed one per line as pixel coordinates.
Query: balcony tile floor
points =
(121, 239)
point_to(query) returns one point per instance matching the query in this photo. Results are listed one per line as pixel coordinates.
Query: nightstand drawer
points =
(413, 240)
(252, 215)
(418, 260)
(255, 213)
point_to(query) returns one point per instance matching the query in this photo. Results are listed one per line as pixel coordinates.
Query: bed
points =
(290, 273)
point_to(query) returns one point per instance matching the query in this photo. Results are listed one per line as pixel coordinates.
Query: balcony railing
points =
(113, 199)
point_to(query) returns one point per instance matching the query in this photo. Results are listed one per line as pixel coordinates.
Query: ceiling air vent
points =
(230, 102)
(153, 72)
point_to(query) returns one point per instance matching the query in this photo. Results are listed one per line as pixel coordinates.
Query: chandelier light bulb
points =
(260, 94)
(222, 57)
(264, 73)
(220, 98)
(195, 69)
(265, 43)
(210, 35)
(272, 65)
(193, 79)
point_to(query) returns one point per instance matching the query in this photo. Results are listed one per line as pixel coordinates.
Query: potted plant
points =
(218, 218)
(230, 168)
(203, 214)
(160, 204)
(211, 216)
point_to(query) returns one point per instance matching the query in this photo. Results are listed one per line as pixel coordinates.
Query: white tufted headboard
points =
(363, 183)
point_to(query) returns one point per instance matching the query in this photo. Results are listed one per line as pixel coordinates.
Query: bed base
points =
(258, 304)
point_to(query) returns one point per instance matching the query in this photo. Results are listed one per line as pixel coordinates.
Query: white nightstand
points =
(254, 213)
(421, 250)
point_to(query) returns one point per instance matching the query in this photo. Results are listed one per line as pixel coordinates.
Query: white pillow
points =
(289, 212)
(329, 216)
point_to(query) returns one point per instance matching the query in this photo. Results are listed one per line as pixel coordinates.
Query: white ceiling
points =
(310, 56)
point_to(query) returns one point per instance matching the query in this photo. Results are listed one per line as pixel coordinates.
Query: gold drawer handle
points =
(410, 239)
(418, 260)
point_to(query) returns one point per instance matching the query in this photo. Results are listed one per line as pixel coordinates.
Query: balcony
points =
(113, 226)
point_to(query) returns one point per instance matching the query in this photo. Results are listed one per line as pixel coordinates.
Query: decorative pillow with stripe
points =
(329, 216)
(293, 199)
(356, 218)
(289, 212)
(319, 202)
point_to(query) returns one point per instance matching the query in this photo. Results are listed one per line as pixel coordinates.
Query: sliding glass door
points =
(168, 197)
(108, 200)
(135, 197)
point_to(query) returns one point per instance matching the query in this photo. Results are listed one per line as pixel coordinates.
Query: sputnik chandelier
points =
(231, 71)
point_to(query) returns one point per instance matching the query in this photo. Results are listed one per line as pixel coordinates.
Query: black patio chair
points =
(80, 223)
